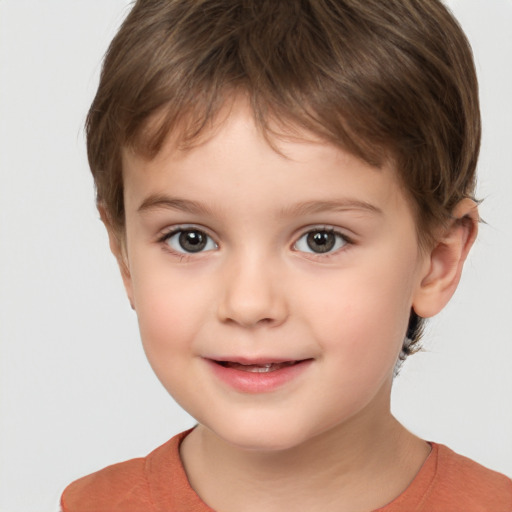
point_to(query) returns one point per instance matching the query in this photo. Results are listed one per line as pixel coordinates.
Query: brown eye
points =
(190, 241)
(320, 241)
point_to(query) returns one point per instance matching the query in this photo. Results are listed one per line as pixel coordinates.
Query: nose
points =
(252, 294)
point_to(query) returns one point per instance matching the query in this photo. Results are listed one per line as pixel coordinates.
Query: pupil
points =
(192, 241)
(321, 241)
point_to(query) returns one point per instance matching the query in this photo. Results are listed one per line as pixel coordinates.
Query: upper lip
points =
(254, 360)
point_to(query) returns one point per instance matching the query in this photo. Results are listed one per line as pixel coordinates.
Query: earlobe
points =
(117, 246)
(446, 260)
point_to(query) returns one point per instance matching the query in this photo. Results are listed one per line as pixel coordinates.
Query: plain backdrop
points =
(76, 392)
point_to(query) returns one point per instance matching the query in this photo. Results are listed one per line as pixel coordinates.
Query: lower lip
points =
(258, 382)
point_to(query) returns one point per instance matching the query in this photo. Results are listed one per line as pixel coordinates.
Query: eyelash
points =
(340, 237)
(346, 241)
(167, 236)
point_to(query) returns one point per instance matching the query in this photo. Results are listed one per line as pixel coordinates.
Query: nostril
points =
(252, 302)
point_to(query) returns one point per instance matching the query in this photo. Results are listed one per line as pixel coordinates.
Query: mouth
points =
(258, 375)
(257, 368)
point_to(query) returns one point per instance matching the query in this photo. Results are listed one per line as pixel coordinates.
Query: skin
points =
(326, 440)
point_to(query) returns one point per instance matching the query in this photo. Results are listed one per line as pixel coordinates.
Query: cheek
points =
(363, 314)
(169, 309)
(168, 323)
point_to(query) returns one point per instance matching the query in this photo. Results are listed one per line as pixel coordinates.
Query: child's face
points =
(238, 255)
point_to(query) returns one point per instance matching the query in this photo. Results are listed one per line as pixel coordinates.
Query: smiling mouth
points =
(257, 368)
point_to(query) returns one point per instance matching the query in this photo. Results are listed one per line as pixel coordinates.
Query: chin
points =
(260, 437)
(264, 443)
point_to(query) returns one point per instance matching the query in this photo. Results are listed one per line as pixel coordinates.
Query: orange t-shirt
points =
(447, 482)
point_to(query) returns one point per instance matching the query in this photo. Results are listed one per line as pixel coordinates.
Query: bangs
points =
(382, 80)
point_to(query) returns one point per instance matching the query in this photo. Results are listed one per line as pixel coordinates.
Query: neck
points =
(358, 466)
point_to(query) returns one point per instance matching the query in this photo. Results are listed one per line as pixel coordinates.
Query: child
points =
(287, 187)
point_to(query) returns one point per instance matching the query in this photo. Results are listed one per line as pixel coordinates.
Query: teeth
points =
(257, 368)
(261, 369)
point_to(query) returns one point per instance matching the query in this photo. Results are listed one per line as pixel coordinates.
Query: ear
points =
(443, 266)
(117, 244)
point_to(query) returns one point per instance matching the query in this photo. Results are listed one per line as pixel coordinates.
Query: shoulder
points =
(470, 485)
(123, 487)
(112, 488)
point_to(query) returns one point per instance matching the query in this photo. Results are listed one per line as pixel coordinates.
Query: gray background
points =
(76, 392)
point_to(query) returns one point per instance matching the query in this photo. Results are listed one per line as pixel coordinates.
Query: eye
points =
(319, 241)
(189, 241)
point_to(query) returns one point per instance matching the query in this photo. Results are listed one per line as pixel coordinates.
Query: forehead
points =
(235, 161)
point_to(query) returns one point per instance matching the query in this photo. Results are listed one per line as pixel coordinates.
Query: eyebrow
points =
(158, 201)
(310, 207)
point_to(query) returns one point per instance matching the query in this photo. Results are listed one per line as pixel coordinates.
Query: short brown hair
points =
(390, 79)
